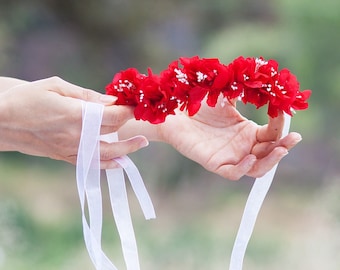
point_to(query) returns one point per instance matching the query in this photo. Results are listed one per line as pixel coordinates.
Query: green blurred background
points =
(86, 42)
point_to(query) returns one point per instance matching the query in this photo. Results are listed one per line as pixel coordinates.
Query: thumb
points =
(67, 89)
(273, 130)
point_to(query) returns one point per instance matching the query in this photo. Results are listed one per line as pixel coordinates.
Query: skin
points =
(223, 141)
(43, 118)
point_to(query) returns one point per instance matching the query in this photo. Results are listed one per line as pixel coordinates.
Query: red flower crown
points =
(252, 80)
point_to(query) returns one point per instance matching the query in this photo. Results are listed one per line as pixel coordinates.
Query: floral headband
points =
(252, 80)
(183, 85)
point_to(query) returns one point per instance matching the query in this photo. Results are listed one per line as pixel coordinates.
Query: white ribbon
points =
(88, 183)
(253, 205)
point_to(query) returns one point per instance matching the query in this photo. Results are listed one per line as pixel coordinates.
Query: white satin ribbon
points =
(253, 205)
(120, 205)
(88, 183)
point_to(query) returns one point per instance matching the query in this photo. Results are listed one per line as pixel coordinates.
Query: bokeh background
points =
(86, 42)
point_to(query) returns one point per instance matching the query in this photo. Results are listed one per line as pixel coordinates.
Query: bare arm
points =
(221, 140)
(7, 83)
(44, 118)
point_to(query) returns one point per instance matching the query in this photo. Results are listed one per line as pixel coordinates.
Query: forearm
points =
(7, 83)
(134, 127)
(155, 132)
(5, 131)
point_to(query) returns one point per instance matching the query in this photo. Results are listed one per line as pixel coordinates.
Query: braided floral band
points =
(252, 80)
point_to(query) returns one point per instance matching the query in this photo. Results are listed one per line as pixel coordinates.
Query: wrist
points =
(162, 132)
(3, 109)
(7, 83)
(4, 122)
(135, 127)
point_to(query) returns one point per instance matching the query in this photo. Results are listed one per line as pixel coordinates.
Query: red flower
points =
(300, 102)
(154, 103)
(175, 82)
(282, 93)
(241, 75)
(259, 81)
(287, 95)
(125, 85)
(254, 80)
(204, 76)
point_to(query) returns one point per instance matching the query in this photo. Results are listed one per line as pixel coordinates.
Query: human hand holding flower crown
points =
(226, 143)
(192, 107)
(215, 136)
(44, 118)
(220, 139)
(207, 127)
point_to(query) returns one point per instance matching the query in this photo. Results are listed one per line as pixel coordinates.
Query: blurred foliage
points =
(40, 225)
(87, 41)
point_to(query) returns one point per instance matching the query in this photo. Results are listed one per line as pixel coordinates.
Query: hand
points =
(43, 118)
(226, 143)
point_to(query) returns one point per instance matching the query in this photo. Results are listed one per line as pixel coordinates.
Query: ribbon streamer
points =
(89, 190)
(120, 205)
(253, 205)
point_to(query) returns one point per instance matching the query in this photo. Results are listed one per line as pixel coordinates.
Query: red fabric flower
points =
(125, 85)
(206, 76)
(300, 102)
(282, 93)
(253, 80)
(259, 84)
(175, 82)
(154, 103)
(241, 75)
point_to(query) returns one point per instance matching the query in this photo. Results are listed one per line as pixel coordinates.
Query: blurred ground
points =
(197, 221)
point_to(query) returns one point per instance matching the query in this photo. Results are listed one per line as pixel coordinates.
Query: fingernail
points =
(285, 153)
(141, 140)
(144, 143)
(107, 99)
(299, 138)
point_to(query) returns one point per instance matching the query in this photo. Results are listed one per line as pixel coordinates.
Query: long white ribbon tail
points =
(120, 205)
(88, 184)
(253, 205)
(89, 189)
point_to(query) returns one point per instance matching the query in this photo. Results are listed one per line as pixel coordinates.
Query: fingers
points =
(261, 150)
(263, 158)
(67, 89)
(262, 166)
(272, 131)
(109, 151)
(235, 172)
(113, 117)
(273, 154)
(109, 164)
(117, 115)
(251, 166)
